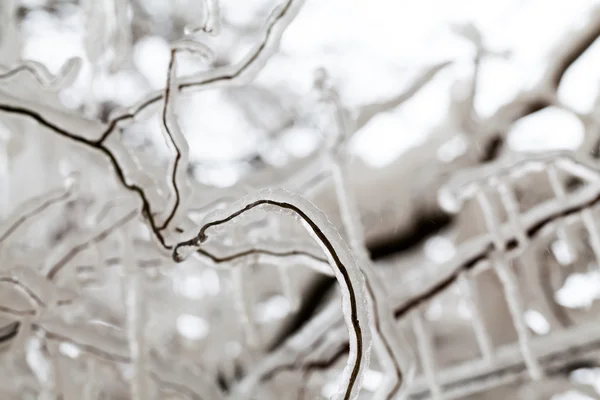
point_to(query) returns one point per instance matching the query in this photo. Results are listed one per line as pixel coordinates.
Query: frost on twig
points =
(346, 271)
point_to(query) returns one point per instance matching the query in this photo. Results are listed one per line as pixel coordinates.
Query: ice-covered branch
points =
(537, 223)
(566, 51)
(64, 254)
(34, 207)
(108, 348)
(65, 77)
(212, 20)
(232, 75)
(367, 112)
(175, 139)
(273, 256)
(346, 271)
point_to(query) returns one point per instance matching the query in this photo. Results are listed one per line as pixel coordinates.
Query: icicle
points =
(135, 314)
(426, 354)
(348, 275)
(482, 335)
(243, 304)
(511, 290)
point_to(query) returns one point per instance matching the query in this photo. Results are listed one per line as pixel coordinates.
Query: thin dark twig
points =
(251, 252)
(74, 251)
(201, 237)
(165, 121)
(28, 214)
(225, 74)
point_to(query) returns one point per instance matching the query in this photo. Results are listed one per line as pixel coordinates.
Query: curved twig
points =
(65, 77)
(237, 74)
(175, 138)
(346, 270)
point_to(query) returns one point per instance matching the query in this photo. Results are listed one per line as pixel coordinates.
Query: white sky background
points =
(372, 49)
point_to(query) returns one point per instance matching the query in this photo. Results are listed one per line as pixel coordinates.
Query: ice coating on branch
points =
(195, 48)
(33, 207)
(108, 347)
(464, 184)
(510, 285)
(470, 295)
(347, 273)
(64, 253)
(561, 195)
(178, 144)
(108, 39)
(212, 19)
(64, 123)
(65, 77)
(283, 254)
(238, 74)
